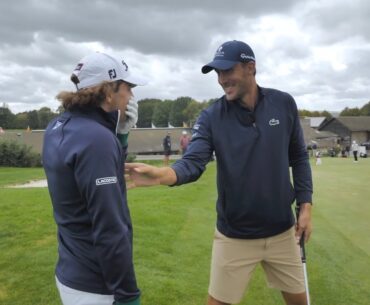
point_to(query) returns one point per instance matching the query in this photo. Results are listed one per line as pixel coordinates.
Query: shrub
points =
(18, 155)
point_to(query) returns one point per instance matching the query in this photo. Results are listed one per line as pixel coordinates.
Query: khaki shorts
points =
(234, 260)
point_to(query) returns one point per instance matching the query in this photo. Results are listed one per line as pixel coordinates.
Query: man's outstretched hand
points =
(141, 174)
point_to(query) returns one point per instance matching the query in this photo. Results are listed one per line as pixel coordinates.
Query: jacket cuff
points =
(303, 197)
(123, 139)
(177, 169)
(132, 302)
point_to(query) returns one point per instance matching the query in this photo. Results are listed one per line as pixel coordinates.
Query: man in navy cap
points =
(256, 135)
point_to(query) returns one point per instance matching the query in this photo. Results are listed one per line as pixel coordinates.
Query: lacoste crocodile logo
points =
(274, 122)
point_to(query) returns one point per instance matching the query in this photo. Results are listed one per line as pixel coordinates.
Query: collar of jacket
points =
(237, 103)
(107, 119)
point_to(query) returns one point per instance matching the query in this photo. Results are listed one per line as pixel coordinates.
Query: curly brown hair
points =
(88, 97)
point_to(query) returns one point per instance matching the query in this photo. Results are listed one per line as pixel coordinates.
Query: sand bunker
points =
(34, 183)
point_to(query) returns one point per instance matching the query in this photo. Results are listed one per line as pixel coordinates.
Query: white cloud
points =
(315, 50)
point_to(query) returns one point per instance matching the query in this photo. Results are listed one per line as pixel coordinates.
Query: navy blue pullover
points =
(84, 165)
(254, 151)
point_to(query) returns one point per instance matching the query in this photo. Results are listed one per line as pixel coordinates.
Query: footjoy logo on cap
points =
(125, 65)
(79, 67)
(106, 180)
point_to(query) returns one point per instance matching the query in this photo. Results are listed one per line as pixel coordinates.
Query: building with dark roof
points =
(349, 128)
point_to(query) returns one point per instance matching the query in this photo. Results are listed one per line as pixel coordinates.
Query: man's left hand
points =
(131, 117)
(304, 224)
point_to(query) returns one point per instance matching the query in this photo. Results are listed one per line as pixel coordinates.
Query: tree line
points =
(34, 119)
(181, 112)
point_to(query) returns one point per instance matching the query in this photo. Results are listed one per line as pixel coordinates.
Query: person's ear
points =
(109, 98)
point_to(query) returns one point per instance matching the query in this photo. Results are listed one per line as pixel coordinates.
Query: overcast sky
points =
(319, 51)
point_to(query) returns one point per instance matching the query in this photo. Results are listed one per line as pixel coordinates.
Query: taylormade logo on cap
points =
(245, 56)
(96, 68)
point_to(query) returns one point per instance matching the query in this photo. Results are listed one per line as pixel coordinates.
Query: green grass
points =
(173, 230)
(12, 175)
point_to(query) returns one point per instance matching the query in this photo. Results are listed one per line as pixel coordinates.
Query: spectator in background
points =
(348, 149)
(318, 158)
(314, 148)
(184, 142)
(167, 148)
(355, 150)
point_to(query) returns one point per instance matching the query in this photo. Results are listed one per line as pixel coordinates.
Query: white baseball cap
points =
(98, 67)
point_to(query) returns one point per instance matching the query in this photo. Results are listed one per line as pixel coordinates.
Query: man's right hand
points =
(140, 174)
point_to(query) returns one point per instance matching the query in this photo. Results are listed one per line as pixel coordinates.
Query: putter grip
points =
(301, 241)
(303, 251)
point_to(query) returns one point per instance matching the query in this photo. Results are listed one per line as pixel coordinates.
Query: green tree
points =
(365, 110)
(350, 112)
(145, 112)
(192, 111)
(303, 112)
(6, 117)
(326, 114)
(33, 119)
(161, 113)
(177, 117)
(45, 115)
(315, 113)
(21, 120)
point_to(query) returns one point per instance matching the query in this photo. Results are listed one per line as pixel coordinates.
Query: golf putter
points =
(303, 258)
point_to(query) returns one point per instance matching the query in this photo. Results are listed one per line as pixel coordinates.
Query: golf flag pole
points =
(303, 258)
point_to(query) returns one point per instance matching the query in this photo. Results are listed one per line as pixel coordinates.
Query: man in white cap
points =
(83, 156)
(256, 135)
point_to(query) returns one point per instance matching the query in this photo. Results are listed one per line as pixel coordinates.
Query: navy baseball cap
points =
(228, 54)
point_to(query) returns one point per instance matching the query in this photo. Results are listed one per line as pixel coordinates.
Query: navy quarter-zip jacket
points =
(84, 165)
(254, 151)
